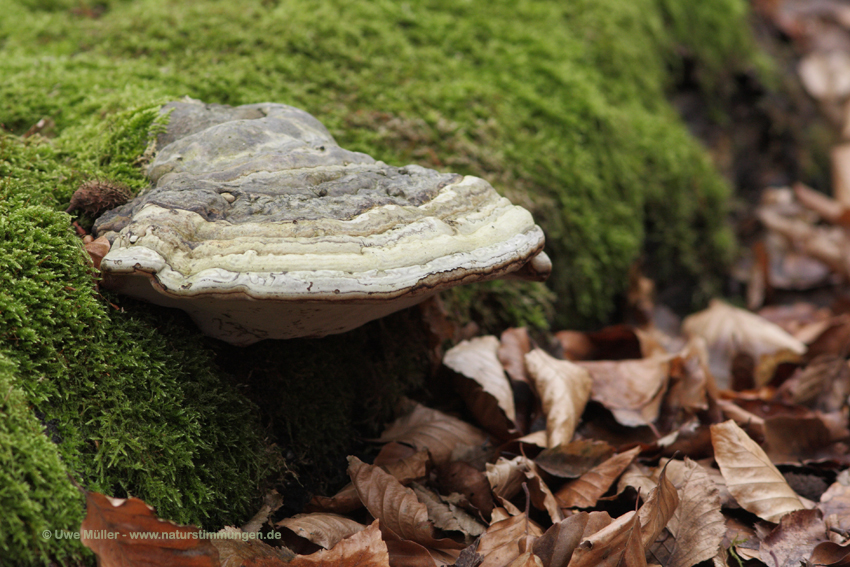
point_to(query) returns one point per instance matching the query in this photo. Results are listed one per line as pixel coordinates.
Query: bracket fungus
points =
(260, 226)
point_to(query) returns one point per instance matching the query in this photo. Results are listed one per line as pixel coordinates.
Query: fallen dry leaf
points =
(791, 543)
(344, 501)
(112, 527)
(751, 478)
(836, 502)
(440, 434)
(325, 530)
(527, 559)
(362, 549)
(729, 331)
(574, 458)
(584, 491)
(506, 478)
(697, 526)
(447, 516)
(246, 553)
(564, 389)
(463, 478)
(401, 514)
(513, 347)
(483, 384)
(499, 545)
(556, 546)
(658, 509)
(631, 389)
(607, 546)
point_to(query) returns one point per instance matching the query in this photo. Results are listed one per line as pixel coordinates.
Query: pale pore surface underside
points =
(259, 203)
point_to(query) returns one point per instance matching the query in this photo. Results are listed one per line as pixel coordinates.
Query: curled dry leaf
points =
(506, 478)
(401, 514)
(325, 530)
(729, 331)
(607, 546)
(463, 478)
(447, 516)
(658, 509)
(499, 544)
(575, 458)
(631, 389)
(440, 434)
(564, 389)
(751, 478)
(527, 559)
(556, 546)
(344, 501)
(791, 543)
(97, 249)
(126, 516)
(514, 345)
(584, 491)
(836, 502)
(486, 389)
(362, 549)
(241, 553)
(827, 244)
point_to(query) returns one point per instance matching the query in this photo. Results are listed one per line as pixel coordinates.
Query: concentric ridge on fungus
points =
(260, 226)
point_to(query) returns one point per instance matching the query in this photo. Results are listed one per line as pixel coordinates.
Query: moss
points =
(35, 493)
(560, 104)
(562, 101)
(136, 399)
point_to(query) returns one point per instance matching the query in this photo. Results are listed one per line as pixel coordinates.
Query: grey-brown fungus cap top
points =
(260, 226)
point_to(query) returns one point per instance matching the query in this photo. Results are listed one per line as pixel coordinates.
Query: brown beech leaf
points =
(499, 544)
(573, 459)
(608, 547)
(564, 389)
(824, 384)
(791, 543)
(515, 344)
(631, 389)
(506, 478)
(830, 553)
(729, 331)
(658, 509)
(463, 478)
(584, 491)
(409, 468)
(617, 342)
(406, 553)
(325, 530)
(97, 249)
(110, 524)
(440, 434)
(835, 503)
(527, 559)
(362, 549)
(248, 553)
(447, 516)
(556, 546)
(697, 525)
(483, 385)
(345, 501)
(751, 478)
(400, 512)
(795, 439)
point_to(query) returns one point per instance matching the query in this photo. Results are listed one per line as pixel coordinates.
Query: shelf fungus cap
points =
(260, 226)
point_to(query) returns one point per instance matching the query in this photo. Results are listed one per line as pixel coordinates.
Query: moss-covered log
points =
(560, 105)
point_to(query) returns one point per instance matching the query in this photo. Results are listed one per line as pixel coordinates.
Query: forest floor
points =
(722, 438)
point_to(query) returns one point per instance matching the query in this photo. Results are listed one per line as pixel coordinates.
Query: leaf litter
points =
(722, 440)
